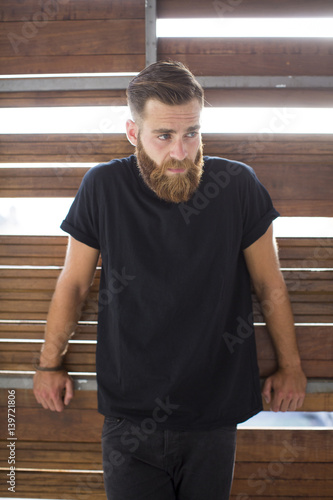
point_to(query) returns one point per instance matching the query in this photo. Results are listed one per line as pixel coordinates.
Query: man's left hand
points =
(285, 389)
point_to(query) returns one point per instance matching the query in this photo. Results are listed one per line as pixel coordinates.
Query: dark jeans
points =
(143, 463)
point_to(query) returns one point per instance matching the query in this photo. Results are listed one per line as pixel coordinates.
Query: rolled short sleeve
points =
(81, 221)
(258, 209)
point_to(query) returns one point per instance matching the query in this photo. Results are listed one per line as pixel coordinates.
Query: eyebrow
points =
(193, 128)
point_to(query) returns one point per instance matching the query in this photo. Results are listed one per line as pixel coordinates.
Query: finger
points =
(300, 402)
(57, 403)
(46, 403)
(292, 405)
(266, 392)
(69, 391)
(289, 404)
(277, 402)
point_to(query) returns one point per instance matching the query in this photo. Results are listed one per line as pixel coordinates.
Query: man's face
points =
(169, 149)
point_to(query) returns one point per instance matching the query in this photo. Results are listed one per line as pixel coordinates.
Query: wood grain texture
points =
(78, 98)
(20, 65)
(288, 165)
(245, 97)
(50, 251)
(66, 10)
(284, 463)
(77, 38)
(26, 293)
(253, 56)
(244, 8)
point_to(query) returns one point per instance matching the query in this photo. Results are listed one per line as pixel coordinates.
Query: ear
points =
(132, 131)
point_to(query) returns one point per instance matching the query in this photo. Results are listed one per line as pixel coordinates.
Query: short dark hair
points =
(169, 82)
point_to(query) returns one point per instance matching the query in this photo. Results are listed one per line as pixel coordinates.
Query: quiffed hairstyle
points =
(169, 82)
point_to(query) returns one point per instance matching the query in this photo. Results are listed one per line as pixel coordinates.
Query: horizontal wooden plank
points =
(315, 346)
(89, 487)
(305, 252)
(306, 208)
(238, 8)
(33, 250)
(90, 147)
(89, 98)
(287, 166)
(62, 148)
(66, 38)
(77, 487)
(242, 97)
(254, 445)
(43, 279)
(243, 57)
(21, 65)
(26, 294)
(50, 251)
(20, 307)
(280, 487)
(303, 475)
(80, 362)
(289, 178)
(87, 399)
(35, 331)
(31, 10)
(287, 471)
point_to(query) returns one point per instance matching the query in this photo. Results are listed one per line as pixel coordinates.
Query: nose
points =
(178, 151)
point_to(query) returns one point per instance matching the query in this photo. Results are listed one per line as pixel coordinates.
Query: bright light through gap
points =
(112, 119)
(43, 216)
(246, 27)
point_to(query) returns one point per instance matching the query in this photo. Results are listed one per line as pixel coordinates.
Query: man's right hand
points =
(53, 390)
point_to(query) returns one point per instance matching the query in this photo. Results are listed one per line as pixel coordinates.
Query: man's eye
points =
(164, 137)
(192, 134)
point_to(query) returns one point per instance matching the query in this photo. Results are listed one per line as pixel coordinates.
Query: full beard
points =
(174, 188)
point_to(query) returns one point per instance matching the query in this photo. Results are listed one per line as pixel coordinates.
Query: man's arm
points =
(289, 382)
(70, 293)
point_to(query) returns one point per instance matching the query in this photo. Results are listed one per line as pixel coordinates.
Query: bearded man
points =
(180, 236)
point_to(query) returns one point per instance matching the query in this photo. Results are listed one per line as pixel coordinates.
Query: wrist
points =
(290, 365)
(40, 368)
(54, 364)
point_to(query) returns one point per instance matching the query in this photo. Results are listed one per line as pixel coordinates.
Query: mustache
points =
(176, 164)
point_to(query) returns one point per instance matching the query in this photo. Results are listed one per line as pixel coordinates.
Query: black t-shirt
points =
(175, 333)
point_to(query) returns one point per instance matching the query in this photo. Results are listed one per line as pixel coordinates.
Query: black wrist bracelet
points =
(47, 369)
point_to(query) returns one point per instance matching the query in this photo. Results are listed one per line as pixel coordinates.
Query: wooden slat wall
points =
(295, 464)
(255, 56)
(71, 37)
(25, 294)
(240, 56)
(286, 164)
(59, 455)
